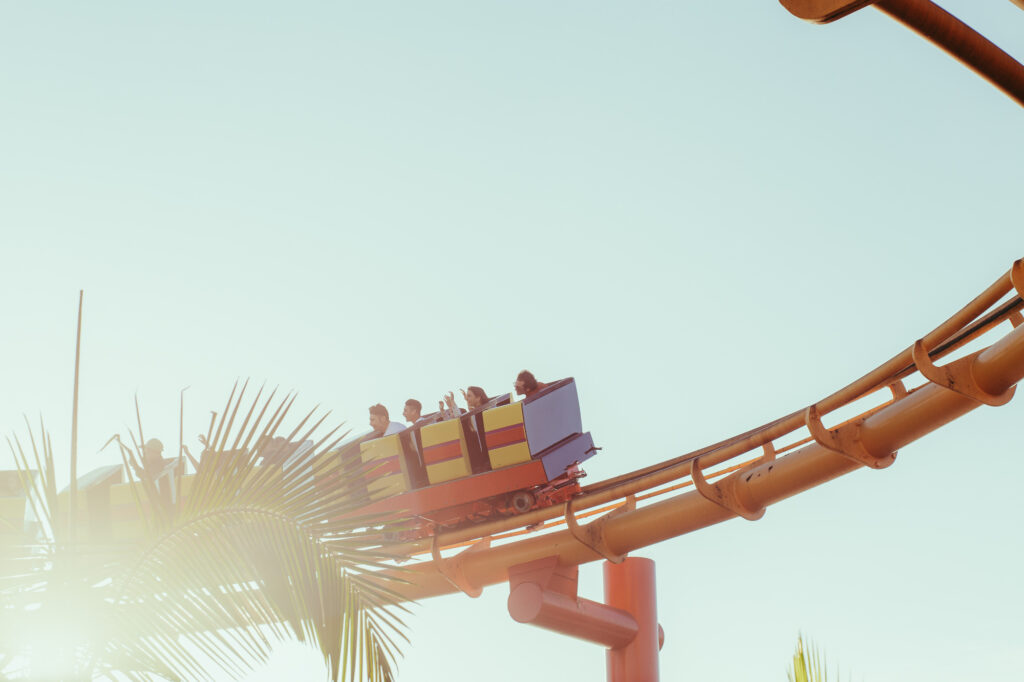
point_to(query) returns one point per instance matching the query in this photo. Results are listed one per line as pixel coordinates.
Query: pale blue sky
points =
(710, 214)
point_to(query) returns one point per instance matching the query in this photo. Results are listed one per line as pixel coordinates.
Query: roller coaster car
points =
(501, 459)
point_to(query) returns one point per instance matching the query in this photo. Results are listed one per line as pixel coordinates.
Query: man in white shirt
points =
(381, 423)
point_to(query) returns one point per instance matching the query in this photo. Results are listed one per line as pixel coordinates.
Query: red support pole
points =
(543, 593)
(629, 586)
(569, 615)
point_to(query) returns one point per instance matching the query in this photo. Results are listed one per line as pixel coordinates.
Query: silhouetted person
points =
(152, 459)
(153, 467)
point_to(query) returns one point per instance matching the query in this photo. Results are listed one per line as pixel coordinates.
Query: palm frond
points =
(254, 553)
(809, 663)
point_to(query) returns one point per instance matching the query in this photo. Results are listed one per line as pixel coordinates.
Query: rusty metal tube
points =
(630, 586)
(995, 369)
(999, 363)
(961, 41)
(577, 617)
(651, 477)
(928, 408)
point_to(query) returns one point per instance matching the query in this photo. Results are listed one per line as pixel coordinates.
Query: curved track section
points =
(818, 454)
(935, 24)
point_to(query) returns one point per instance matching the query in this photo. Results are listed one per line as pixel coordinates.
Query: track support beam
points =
(452, 568)
(957, 376)
(592, 534)
(728, 493)
(543, 593)
(846, 440)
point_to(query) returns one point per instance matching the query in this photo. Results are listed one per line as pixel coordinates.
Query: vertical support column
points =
(629, 586)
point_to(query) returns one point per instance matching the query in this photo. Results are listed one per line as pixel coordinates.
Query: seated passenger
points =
(412, 411)
(152, 459)
(153, 468)
(475, 397)
(527, 384)
(381, 423)
(447, 407)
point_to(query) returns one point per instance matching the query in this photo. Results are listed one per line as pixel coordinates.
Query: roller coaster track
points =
(766, 474)
(935, 24)
(755, 471)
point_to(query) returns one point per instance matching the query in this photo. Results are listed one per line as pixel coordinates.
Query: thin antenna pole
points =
(73, 496)
(180, 469)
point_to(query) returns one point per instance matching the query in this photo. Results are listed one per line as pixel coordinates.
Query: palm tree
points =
(253, 553)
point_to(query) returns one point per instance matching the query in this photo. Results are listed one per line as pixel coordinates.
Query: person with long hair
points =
(474, 396)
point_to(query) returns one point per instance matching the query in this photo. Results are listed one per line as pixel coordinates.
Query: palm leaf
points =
(809, 664)
(255, 554)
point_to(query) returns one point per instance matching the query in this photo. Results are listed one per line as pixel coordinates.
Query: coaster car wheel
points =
(521, 501)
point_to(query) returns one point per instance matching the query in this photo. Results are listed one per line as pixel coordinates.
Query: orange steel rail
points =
(938, 26)
(542, 570)
(977, 317)
(870, 439)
